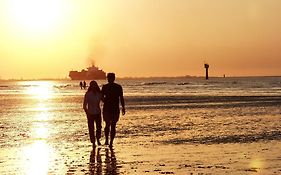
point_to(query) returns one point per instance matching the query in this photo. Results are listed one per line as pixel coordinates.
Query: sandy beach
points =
(47, 133)
(69, 152)
(41, 157)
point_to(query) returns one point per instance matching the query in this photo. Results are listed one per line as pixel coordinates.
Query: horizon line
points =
(139, 77)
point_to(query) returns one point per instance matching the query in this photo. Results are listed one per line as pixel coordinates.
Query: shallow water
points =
(44, 130)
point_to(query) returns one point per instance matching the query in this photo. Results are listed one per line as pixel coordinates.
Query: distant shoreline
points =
(152, 77)
(188, 76)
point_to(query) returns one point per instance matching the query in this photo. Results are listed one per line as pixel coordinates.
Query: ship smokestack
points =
(93, 63)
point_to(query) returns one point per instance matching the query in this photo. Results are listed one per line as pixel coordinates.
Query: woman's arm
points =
(85, 104)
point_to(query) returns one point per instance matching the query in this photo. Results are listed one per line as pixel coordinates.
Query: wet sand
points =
(145, 144)
(45, 132)
(41, 157)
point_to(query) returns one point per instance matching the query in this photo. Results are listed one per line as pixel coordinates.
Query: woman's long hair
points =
(94, 87)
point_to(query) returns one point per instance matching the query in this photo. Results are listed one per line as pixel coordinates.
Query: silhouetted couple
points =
(83, 84)
(111, 94)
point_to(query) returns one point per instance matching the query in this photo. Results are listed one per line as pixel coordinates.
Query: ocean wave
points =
(153, 83)
(266, 136)
(184, 83)
(150, 102)
(62, 86)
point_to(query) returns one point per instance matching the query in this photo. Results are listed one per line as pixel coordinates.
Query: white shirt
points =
(92, 102)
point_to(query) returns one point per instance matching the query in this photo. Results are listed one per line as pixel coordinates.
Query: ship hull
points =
(93, 73)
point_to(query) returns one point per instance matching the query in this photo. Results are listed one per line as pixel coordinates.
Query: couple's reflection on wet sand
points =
(103, 161)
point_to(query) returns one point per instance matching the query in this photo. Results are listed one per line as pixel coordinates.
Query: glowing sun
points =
(36, 16)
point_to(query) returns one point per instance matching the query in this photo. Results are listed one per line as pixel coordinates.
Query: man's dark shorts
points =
(109, 116)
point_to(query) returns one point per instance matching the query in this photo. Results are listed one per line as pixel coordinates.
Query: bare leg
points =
(91, 128)
(98, 129)
(106, 131)
(112, 133)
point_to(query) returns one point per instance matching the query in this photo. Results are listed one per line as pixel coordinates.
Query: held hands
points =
(123, 111)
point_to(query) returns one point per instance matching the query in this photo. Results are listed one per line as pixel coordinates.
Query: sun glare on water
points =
(37, 156)
(40, 89)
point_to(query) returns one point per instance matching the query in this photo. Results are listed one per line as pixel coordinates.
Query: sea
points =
(159, 111)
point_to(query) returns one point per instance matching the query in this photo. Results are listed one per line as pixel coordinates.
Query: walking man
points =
(112, 94)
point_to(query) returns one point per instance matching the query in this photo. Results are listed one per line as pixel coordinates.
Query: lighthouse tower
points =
(207, 69)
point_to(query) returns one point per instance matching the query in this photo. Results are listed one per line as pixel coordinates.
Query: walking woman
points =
(91, 106)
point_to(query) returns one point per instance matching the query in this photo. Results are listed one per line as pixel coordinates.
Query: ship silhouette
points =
(91, 73)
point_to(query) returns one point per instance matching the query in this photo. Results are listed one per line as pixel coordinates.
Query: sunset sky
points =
(48, 38)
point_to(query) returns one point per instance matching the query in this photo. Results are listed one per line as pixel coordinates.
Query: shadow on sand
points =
(103, 161)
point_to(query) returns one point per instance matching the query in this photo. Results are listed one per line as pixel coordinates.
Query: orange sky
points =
(47, 38)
